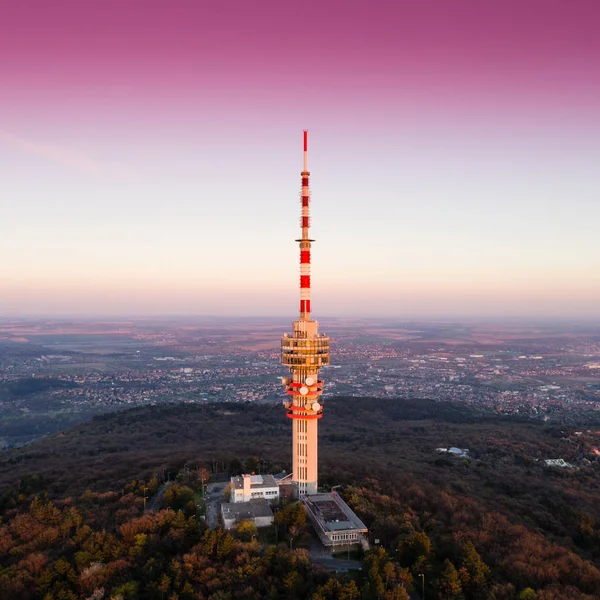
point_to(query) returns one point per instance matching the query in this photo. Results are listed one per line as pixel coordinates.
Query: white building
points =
(559, 462)
(460, 452)
(251, 487)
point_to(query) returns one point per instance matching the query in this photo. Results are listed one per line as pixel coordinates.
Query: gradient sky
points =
(150, 154)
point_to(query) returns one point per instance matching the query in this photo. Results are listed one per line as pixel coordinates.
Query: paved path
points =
(155, 501)
(322, 556)
(214, 497)
(336, 564)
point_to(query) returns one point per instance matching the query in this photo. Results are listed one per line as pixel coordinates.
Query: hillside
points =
(529, 525)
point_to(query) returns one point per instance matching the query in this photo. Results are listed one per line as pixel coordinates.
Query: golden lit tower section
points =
(304, 352)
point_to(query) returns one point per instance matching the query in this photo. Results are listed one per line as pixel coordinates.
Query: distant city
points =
(55, 373)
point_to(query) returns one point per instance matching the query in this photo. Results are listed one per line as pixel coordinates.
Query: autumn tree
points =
(473, 573)
(335, 590)
(153, 486)
(416, 548)
(245, 530)
(292, 517)
(375, 561)
(179, 497)
(449, 583)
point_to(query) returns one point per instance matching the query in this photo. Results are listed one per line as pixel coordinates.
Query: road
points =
(322, 556)
(155, 501)
(336, 564)
(214, 497)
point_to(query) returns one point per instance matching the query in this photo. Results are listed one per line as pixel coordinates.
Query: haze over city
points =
(151, 157)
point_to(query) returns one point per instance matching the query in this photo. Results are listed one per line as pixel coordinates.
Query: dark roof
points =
(246, 510)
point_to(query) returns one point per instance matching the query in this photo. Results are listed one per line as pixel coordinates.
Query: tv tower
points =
(304, 352)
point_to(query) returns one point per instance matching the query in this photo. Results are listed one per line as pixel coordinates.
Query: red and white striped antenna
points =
(305, 240)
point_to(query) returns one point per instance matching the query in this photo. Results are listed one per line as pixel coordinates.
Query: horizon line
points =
(405, 318)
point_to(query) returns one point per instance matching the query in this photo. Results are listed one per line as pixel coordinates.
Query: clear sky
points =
(150, 156)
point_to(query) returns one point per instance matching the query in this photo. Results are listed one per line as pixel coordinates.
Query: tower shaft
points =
(304, 352)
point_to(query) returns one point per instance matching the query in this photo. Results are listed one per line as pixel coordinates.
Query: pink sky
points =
(149, 52)
(457, 139)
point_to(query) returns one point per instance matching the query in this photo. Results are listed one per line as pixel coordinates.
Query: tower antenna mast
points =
(304, 352)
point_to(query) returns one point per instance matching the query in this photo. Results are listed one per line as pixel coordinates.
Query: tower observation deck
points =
(304, 352)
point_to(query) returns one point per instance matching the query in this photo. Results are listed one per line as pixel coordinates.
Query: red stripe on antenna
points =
(305, 140)
(304, 306)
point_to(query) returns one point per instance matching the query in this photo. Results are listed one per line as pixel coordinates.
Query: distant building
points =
(258, 511)
(459, 452)
(334, 521)
(559, 462)
(251, 487)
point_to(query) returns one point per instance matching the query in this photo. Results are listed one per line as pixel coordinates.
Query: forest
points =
(77, 518)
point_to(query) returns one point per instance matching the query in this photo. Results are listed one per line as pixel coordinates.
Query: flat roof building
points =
(334, 521)
(258, 511)
(250, 487)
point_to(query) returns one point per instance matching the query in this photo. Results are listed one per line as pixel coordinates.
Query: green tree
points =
(251, 464)
(227, 492)
(235, 466)
(417, 544)
(178, 497)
